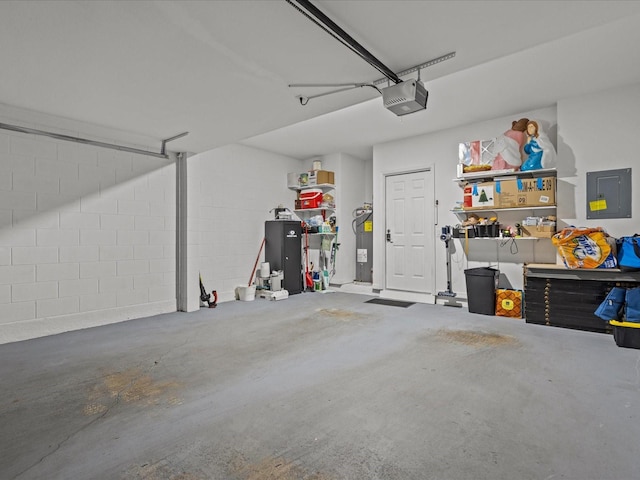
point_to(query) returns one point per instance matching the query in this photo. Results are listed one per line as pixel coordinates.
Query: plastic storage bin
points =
(626, 334)
(482, 283)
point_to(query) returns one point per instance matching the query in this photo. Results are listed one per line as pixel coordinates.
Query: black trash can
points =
(481, 289)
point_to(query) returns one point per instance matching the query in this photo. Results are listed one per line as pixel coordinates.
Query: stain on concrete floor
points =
(477, 339)
(132, 386)
(160, 471)
(272, 468)
(344, 315)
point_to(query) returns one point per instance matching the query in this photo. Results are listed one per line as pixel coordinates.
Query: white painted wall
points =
(352, 184)
(368, 180)
(231, 191)
(440, 151)
(594, 132)
(87, 234)
(597, 132)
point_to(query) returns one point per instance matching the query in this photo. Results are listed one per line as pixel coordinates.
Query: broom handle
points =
(256, 264)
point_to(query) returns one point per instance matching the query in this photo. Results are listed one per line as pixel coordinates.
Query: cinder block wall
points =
(232, 192)
(87, 235)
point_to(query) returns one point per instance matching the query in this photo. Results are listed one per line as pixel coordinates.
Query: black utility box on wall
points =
(283, 251)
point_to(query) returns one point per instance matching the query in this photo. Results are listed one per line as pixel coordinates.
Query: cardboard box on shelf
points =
(320, 177)
(538, 231)
(483, 196)
(526, 192)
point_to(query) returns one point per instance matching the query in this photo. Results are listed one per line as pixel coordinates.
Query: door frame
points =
(400, 294)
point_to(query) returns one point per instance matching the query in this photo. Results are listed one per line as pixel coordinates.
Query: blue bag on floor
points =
(613, 305)
(629, 253)
(632, 305)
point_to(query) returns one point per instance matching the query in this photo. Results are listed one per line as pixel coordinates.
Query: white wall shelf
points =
(321, 186)
(311, 211)
(506, 239)
(504, 174)
(496, 210)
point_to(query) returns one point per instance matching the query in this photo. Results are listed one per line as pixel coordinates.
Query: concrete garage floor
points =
(320, 387)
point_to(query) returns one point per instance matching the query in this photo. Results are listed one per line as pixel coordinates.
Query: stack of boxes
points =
(511, 193)
(316, 177)
(516, 193)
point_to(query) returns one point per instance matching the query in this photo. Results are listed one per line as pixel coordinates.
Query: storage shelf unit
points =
(506, 239)
(311, 211)
(506, 215)
(495, 210)
(305, 214)
(322, 186)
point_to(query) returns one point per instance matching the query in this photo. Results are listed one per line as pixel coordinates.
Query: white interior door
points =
(409, 203)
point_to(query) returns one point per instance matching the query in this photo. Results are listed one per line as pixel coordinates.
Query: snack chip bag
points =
(584, 248)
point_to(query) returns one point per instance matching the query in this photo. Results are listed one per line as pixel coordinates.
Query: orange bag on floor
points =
(509, 303)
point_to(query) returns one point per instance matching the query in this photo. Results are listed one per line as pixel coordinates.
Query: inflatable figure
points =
(508, 147)
(539, 149)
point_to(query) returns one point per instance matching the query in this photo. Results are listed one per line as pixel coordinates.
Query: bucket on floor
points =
(246, 294)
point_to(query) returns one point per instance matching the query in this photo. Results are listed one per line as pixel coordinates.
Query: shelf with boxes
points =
(520, 223)
(310, 179)
(512, 204)
(318, 220)
(315, 200)
(507, 192)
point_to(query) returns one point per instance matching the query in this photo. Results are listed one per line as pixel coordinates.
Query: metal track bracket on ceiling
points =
(314, 14)
(417, 68)
(306, 8)
(304, 99)
(69, 138)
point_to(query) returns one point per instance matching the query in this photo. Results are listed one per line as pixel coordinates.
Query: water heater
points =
(363, 227)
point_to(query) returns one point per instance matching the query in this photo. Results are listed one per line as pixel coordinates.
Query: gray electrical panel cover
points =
(609, 194)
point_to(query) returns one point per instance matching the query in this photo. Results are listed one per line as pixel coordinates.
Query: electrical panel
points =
(609, 194)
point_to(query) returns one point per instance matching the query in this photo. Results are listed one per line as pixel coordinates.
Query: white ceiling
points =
(221, 69)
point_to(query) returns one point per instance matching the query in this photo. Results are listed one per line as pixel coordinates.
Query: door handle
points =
(389, 236)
